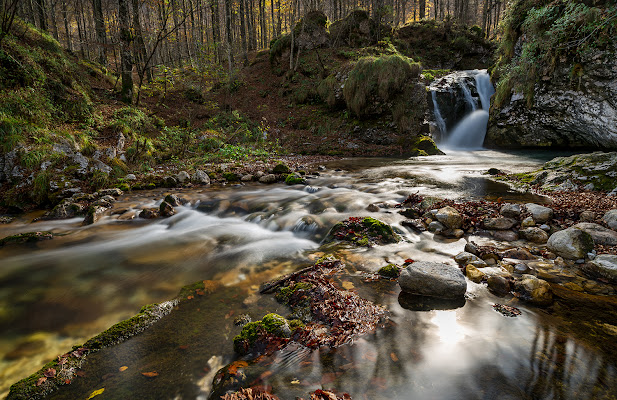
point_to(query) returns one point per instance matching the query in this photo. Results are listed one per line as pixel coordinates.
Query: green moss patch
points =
(28, 237)
(363, 232)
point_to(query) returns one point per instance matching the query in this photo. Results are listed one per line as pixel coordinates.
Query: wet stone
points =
(600, 234)
(433, 279)
(504, 236)
(474, 274)
(149, 213)
(571, 243)
(449, 217)
(539, 213)
(501, 224)
(519, 254)
(498, 285)
(533, 234)
(610, 218)
(510, 210)
(587, 216)
(465, 258)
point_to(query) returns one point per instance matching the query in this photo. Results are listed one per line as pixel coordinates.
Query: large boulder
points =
(201, 177)
(509, 210)
(610, 218)
(605, 265)
(600, 234)
(449, 217)
(571, 243)
(433, 279)
(539, 213)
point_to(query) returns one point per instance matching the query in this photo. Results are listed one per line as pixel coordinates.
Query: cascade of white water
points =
(469, 133)
(441, 124)
(468, 98)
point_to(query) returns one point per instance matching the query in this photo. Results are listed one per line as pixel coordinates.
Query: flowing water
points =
(57, 293)
(469, 133)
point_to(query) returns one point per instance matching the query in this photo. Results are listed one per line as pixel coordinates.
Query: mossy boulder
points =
(28, 237)
(295, 179)
(363, 232)
(424, 146)
(270, 325)
(390, 271)
(358, 29)
(281, 168)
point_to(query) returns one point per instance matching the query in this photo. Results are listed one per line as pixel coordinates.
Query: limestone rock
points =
(510, 210)
(571, 243)
(465, 258)
(610, 218)
(183, 177)
(600, 234)
(501, 224)
(474, 274)
(528, 222)
(539, 213)
(149, 213)
(518, 254)
(505, 236)
(270, 178)
(534, 234)
(587, 216)
(201, 178)
(605, 265)
(450, 217)
(498, 285)
(94, 214)
(433, 279)
(534, 290)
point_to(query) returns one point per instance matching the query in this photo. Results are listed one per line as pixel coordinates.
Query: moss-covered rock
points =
(281, 168)
(295, 179)
(363, 232)
(390, 271)
(271, 324)
(28, 237)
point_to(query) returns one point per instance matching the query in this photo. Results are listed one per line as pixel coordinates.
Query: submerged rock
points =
(571, 243)
(94, 214)
(28, 237)
(416, 302)
(433, 279)
(474, 274)
(464, 258)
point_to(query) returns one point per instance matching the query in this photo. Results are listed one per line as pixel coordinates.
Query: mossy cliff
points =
(555, 76)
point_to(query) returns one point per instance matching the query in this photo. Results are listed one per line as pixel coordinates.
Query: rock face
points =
(433, 279)
(571, 243)
(605, 265)
(579, 111)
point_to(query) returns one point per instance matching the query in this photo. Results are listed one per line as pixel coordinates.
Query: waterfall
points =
(468, 134)
(441, 124)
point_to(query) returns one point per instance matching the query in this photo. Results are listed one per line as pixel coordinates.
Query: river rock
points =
(510, 210)
(498, 285)
(534, 290)
(183, 177)
(465, 258)
(533, 234)
(587, 216)
(539, 213)
(201, 178)
(269, 178)
(610, 218)
(246, 178)
(149, 213)
(115, 192)
(501, 224)
(94, 214)
(170, 181)
(518, 254)
(528, 222)
(436, 227)
(130, 177)
(504, 236)
(474, 274)
(600, 234)
(605, 265)
(433, 279)
(571, 243)
(173, 200)
(450, 217)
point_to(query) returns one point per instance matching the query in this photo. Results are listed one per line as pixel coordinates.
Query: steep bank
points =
(556, 76)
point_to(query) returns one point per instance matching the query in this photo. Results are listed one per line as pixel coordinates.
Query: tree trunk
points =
(216, 32)
(422, 9)
(126, 63)
(230, 54)
(99, 27)
(65, 17)
(243, 33)
(42, 11)
(54, 21)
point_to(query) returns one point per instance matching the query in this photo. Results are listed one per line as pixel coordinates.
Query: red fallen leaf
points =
(265, 375)
(229, 314)
(67, 381)
(50, 373)
(183, 347)
(200, 292)
(394, 357)
(41, 380)
(152, 374)
(190, 297)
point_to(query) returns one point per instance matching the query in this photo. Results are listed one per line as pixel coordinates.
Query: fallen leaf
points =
(41, 380)
(67, 381)
(348, 285)
(211, 286)
(190, 298)
(150, 374)
(96, 393)
(123, 368)
(50, 373)
(229, 314)
(81, 374)
(295, 382)
(183, 347)
(394, 357)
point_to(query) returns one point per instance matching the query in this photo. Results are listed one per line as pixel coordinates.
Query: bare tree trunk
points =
(42, 11)
(243, 33)
(99, 26)
(54, 21)
(230, 55)
(65, 17)
(422, 9)
(216, 32)
(126, 63)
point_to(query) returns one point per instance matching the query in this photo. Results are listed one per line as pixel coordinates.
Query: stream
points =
(57, 293)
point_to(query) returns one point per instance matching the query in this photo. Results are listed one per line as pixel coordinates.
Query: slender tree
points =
(126, 63)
